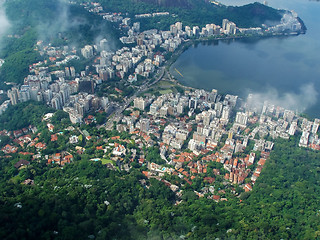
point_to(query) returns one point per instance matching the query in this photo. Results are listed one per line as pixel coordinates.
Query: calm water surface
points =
(284, 70)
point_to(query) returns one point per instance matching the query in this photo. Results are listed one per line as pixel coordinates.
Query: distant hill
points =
(196, 12)
(253, 14)
(169, 3)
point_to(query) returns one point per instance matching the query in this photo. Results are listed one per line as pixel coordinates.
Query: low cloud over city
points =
(60, 24)
(302, 100)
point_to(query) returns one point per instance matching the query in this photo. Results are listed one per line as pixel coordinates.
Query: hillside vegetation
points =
(85, 198)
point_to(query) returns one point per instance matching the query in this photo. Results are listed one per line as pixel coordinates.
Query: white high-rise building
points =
(24, 93)
(154, 108)
(180, 108)
(213, 95)
(136, 26)
(87, 51)
(179, 26)
(65, 91)
(144, 125)
(207, 117)
(241, 119)
(293, 128)
(224, 24)
(193, 103)
(56, 103)
(139, 103)
(72, 72)
(188, 31)
(315, 126)
(173, 29)
(13, 95)
(67, 72)
(34, 93)
(196, 30)
(225, 113)
(231, 28)
(218, 107)
(104, 45)
(104, 102)
(47, 95)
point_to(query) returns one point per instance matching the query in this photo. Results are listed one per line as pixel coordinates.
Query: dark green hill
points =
(198, 12)
(169, 3)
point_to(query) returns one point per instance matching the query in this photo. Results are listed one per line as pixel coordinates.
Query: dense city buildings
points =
(192, 128)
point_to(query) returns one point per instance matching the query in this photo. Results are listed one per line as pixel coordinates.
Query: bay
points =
(282, 70)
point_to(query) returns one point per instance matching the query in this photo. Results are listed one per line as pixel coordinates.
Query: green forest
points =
(22, 115)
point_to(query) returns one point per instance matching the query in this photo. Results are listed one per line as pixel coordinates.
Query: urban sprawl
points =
(191, 129)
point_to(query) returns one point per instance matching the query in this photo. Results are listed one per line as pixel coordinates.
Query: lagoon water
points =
(283, 70)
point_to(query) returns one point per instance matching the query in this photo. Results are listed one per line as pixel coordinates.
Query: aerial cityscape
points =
(100, 140)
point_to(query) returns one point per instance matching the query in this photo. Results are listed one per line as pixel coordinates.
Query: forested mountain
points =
(198, 12)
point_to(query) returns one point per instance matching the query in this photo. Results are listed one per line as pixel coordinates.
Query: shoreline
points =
(191, 42)
(187, 43)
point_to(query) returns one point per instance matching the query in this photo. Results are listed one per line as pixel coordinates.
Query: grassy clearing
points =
(165, 91)
(163, 87)
(165, 84)
(105, 161)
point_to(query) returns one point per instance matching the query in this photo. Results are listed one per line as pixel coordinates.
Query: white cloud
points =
(305, 98)
(4, 22)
